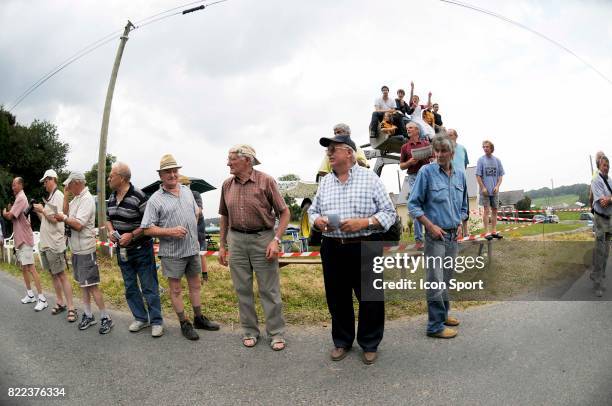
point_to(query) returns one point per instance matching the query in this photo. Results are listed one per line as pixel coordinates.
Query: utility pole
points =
(104, 135)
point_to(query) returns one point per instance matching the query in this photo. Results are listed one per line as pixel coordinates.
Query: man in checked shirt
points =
(351, 205)
(249, 203)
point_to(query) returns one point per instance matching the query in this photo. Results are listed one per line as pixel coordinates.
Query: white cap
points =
(50, 173)
(74, 176)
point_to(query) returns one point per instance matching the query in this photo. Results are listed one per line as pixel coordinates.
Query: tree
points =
(294, 209)
(28, 152)
(91, 176)
(524, 204)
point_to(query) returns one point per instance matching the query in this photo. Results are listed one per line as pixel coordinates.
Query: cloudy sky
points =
(279, 74)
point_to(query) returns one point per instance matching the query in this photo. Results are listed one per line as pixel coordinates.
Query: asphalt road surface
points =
(511, 353)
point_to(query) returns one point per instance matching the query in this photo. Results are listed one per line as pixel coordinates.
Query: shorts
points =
(53, 262)
(85, 269)
(25, 255)
(177, 267)
(491, 201)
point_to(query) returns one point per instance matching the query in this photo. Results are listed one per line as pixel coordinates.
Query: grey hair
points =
(442, 142)
(343, 128)
(123, 170)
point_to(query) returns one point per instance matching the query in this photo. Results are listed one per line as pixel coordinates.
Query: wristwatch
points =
(370, 223)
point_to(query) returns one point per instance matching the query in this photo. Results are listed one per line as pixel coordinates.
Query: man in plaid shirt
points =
(351, 205)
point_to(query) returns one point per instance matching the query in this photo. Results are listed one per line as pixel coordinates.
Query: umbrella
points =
(197, 184)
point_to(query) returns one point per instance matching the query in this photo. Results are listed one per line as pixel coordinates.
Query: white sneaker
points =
(157, 330)
(41, 305)
(138, 325)
(28, 299)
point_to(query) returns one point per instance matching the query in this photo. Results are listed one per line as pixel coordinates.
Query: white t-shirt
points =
(83, 209)
(381, 104)
(52, 234)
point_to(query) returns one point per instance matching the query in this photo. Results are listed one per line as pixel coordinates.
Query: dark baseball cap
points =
(339, 138)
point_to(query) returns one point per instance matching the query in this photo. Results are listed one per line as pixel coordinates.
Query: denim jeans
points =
(418, 228)
(140, 266)
(438, 302)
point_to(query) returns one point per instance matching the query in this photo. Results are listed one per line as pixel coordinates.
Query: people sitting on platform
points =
(383, 105)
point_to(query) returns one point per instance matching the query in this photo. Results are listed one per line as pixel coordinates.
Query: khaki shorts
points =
(177, 267)
(85, 269)
(53, 262)
(25, 255)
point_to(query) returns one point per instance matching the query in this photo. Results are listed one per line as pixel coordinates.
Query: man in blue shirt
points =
(489, 175)
(602, 205)
(439, 200)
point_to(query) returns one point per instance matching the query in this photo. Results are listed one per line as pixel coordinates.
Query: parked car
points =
(539, 218)
(586, 216)
(553, 218)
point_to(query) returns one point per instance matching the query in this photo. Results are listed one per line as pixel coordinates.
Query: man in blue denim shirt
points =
(440, 202)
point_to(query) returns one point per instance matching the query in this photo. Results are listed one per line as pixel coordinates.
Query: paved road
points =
(512, 353)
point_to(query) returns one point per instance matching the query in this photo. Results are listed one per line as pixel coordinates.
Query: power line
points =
(101, 42)
(508, 20)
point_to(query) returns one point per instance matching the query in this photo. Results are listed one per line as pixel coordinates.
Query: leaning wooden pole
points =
(104, 135)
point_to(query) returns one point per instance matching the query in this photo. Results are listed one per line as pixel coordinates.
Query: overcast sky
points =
(279, 74)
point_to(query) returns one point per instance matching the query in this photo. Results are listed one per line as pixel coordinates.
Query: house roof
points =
(511, 197)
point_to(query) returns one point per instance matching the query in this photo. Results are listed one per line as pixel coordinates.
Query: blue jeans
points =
(418, 228)
(437, 299)
(140, 266)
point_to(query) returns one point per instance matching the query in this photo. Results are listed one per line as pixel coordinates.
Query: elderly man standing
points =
(81, 220)
(24, 244)
(602, 206)
(439, 200)
(351, 204)
(250, 201)
(412, 166)
(171, 215)
(125, 209)
(53, 244)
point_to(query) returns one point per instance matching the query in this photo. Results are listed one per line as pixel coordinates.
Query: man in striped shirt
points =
(350, 206)
(171, 215)
(126, 206)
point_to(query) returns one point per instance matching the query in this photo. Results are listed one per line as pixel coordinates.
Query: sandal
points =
(249, 341)
(72, 316)
(278, 344)
(58, 309)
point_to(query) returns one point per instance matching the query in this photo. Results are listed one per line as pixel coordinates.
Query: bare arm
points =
(499, 182)
(173, 232)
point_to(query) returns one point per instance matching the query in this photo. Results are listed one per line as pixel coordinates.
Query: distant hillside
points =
(562, 194)
(570, 200)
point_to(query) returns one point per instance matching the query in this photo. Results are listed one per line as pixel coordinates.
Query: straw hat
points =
(167, 162)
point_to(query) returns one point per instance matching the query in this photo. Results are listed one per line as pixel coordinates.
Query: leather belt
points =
(249, 231)
(354, 240)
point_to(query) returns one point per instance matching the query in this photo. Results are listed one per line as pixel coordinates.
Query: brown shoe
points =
(451, 321)
(369, 358)
(446, 333)
(339, 353)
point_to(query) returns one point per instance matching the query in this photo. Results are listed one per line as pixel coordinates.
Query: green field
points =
(556, 200)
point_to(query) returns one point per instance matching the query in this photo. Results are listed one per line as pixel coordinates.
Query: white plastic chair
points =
(9, 244)
(36, 249)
